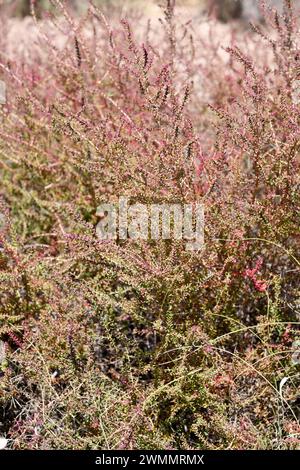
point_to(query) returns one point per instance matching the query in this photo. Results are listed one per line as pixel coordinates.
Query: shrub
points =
(142, 344)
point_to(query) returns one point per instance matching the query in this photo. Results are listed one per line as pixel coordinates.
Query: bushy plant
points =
(129, 344)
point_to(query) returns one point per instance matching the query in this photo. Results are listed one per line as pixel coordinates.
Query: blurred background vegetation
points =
(224, 10)
(22, 7)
